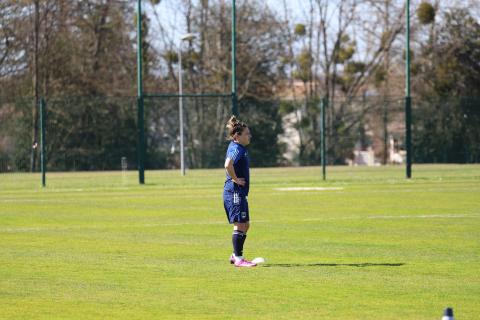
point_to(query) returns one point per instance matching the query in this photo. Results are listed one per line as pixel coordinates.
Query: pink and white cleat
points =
(241, 262)
(244, 263)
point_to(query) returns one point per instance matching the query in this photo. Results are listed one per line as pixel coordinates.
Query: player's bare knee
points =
(243, 227)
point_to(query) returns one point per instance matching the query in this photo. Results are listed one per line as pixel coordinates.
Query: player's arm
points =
(231, 172)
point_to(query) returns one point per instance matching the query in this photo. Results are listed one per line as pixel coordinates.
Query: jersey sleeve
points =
(235, 154)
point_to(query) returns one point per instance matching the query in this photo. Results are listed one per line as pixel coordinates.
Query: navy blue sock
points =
(238, 239)
(242, 239)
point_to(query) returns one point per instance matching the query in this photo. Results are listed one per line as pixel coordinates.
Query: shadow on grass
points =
(357, 265)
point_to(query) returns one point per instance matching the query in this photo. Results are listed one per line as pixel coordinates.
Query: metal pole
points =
(140, 111)
(234, 62)
(180, 109)
(42, 150)
(323, 105)
(408, 99)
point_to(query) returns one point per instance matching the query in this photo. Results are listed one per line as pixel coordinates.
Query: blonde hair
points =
(234, 126)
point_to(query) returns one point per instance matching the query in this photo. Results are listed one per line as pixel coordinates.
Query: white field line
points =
(101, 198)
(308, 188)
(156, 225)
(428, 216)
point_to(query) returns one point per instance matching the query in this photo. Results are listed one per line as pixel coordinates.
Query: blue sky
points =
(171, 18)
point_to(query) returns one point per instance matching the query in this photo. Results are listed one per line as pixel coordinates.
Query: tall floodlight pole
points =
(234, 62)
(408, 99)
(186, 37)
(140, 112)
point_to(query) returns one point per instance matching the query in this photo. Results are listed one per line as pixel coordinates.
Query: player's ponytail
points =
(234, 127)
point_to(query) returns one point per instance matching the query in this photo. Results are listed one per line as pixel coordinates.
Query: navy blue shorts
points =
(236, 207)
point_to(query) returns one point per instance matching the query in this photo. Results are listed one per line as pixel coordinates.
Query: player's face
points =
(244, 138)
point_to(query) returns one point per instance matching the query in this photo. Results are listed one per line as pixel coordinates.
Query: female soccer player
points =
(236, 187)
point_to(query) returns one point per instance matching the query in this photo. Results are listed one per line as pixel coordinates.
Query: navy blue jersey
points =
(239, 155)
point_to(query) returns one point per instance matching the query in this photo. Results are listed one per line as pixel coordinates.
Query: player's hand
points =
(240, 181)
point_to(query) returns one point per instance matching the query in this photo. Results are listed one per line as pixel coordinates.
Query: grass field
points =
(99, 246)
